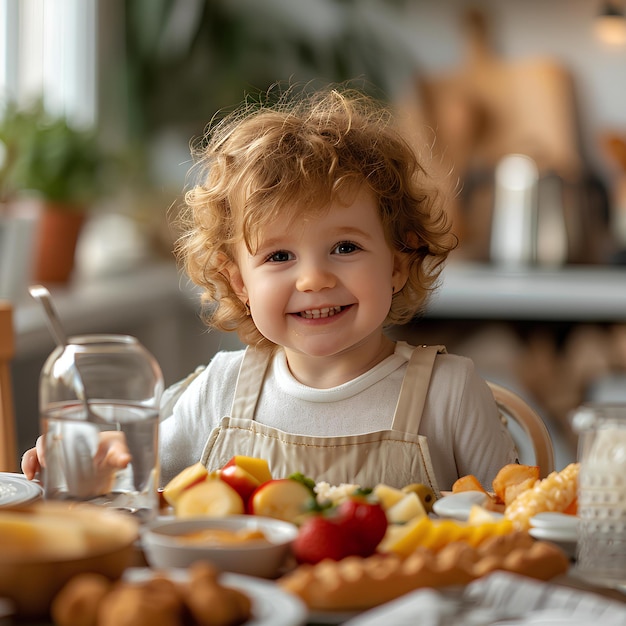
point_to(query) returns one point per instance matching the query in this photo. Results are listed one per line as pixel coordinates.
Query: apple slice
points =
(387, 495)
(242, 481)
(185, 479)
(282, 498)
(259, 468)
(213, 498)
(407, 508)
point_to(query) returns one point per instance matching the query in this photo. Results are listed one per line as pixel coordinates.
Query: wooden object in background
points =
(8, 452)
(502, 106)
(514, 407)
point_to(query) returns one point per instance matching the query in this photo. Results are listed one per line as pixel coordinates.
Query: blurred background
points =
(517, 107)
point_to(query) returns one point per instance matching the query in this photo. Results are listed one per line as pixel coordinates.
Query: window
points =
(48, 50)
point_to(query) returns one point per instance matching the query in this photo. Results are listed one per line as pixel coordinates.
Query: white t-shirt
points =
(460, 420)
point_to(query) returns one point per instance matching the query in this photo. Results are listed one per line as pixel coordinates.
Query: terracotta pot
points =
(58, 233)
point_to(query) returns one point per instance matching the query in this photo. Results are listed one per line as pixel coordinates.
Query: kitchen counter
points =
(110, 301)
(568, 294)
(468, 291)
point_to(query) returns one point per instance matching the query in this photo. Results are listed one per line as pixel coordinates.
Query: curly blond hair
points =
(290, 158)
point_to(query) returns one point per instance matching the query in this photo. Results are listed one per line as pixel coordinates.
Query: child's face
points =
(323, 286)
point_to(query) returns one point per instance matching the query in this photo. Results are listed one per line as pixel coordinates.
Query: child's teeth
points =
(312, 314)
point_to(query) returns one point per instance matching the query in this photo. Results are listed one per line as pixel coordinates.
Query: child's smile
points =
(323, 313)
(322, 287)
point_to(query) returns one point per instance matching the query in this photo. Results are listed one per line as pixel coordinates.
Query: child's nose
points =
(315, 278)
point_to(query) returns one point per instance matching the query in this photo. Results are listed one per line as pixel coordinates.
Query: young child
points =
(311, 228)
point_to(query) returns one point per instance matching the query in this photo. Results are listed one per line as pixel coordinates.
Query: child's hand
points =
(31, 460)
(112, 454)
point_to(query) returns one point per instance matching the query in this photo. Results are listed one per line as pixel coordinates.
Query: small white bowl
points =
(457, 506)
(164, 549)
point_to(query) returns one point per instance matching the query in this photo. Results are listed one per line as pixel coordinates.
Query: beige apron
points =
(396, 457)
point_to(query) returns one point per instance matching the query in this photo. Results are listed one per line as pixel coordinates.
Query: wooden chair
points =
(8, 438)
(514, 407)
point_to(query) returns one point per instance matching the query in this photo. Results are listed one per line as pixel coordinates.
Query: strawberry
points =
(364, 520)
(323, 537)
(355, 527)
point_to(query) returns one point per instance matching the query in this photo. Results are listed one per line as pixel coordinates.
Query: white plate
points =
(557, 535)
(558, 528)
(271, 606)
(566, 544)
(17, 489)
(566, 524)
(458, 505)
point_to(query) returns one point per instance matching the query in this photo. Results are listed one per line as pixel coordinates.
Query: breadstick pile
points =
(358, 583)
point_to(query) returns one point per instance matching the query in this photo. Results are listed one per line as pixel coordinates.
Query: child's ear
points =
(231, 271)
(400, 271)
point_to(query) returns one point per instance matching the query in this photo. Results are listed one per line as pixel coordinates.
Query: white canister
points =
(601, 550)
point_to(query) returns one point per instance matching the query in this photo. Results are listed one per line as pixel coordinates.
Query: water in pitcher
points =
(75, 449)
(98, 400)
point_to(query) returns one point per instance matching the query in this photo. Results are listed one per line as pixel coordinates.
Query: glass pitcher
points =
(601, 549)
(99, 413)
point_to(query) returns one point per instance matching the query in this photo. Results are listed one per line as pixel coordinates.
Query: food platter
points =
(555, 527)
(17, 489)
(271, 606)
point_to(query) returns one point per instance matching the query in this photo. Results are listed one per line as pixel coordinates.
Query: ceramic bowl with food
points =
(44, 544)
(243, 544)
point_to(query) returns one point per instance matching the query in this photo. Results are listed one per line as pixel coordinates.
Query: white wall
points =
(562, 29)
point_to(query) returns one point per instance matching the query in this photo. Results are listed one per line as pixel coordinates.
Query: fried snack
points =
(468, 482)
(357, 583)
(211, 604)
(556, 492)
(202, 600)
(154, 602)
(78, 601)
(512, 479)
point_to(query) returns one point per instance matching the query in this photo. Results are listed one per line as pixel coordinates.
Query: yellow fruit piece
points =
(403, 539)
(213, 498)
(388, 496)
(259, 468)
(435, 534)
(407, 508)
(424, 493)
(443, 532)
(479, 515)
(184, 480)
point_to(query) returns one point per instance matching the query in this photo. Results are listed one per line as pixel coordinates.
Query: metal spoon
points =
(42, 295)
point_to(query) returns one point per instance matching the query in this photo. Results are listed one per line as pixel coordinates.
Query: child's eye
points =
(345, 247)
(280, 256)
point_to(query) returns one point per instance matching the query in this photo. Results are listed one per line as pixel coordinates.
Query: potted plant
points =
(61, 170)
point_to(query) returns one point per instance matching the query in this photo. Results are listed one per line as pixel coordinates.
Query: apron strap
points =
(250, 381)
(414, 389)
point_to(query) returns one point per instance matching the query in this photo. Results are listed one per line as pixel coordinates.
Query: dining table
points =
(414, 606)
(498, 596)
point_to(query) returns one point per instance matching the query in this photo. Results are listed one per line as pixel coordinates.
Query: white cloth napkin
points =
(500, 598)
